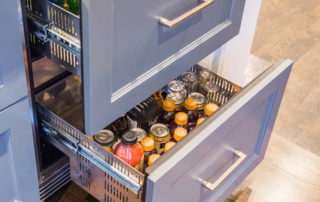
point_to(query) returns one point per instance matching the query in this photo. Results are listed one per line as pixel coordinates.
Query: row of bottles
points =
(70, 5)
(154, 126)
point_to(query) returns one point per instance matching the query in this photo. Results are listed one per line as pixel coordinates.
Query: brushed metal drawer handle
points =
(212, 186)
(172, 23)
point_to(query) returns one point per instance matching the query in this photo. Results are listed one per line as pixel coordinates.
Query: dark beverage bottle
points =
(190, 108)
(167, 112)
(210, 109)
(147, 144)
(180, 120)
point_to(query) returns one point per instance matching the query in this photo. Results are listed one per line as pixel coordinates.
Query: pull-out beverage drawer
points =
(206, 165)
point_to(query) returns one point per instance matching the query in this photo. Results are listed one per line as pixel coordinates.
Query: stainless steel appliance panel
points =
(12, 73)
(224, 150)
(19, 181)
(128, 52)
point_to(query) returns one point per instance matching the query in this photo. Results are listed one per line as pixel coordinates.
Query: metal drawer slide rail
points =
(82, 146)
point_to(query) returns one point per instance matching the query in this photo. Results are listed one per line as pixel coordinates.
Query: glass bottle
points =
(210, 109)
(148, 147)
(130, 151)
(180, 120)
(190, 108)
(167, 112)
(168, 146)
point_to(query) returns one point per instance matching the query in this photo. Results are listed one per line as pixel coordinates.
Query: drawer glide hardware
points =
(213, 186)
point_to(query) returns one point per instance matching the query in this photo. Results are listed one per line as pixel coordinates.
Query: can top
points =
(104, 137)
(210, 87)
(169, 105)
(159, 130)
(176, 86)
(129, 138)
(189, 77)
(201, 99)
(177, 97)
(205, 74)
(140, 133)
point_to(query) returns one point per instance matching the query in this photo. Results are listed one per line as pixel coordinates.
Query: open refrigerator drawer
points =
(205, 165)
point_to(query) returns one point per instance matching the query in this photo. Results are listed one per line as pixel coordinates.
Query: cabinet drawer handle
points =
(212, 186)
(172, 23)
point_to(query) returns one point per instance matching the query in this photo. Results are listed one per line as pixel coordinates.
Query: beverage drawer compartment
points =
(207, 164)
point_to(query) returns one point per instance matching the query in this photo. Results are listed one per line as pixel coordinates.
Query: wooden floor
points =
(291, 169)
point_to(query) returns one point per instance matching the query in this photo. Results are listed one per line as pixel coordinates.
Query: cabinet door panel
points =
(18, 173)
(12, 73)
(128, 54)
(210, 162)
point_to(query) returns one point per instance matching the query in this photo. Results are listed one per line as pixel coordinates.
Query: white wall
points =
(231, 60)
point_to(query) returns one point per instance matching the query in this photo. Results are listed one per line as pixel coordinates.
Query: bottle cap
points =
(190, 104)
(107, 148)
(104, 137)
(169, 105)
(210, 108)
(200, 120)
(153, 158)
(168, 146)
(147, 144)
(176, 86)
(181, 118)
(179, 133)
(129, 138)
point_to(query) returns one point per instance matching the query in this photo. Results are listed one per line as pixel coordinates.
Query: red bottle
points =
(130, 151)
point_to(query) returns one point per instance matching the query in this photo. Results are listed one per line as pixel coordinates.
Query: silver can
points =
(178, 99)
(140, 133)
(105, 138)
(161, 135)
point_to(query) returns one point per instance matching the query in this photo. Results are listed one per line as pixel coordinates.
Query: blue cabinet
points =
(130, 50)
(13, 84)
(18, 172)
(222, 151)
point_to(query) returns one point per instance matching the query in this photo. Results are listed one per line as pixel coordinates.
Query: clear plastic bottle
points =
(167, 112)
